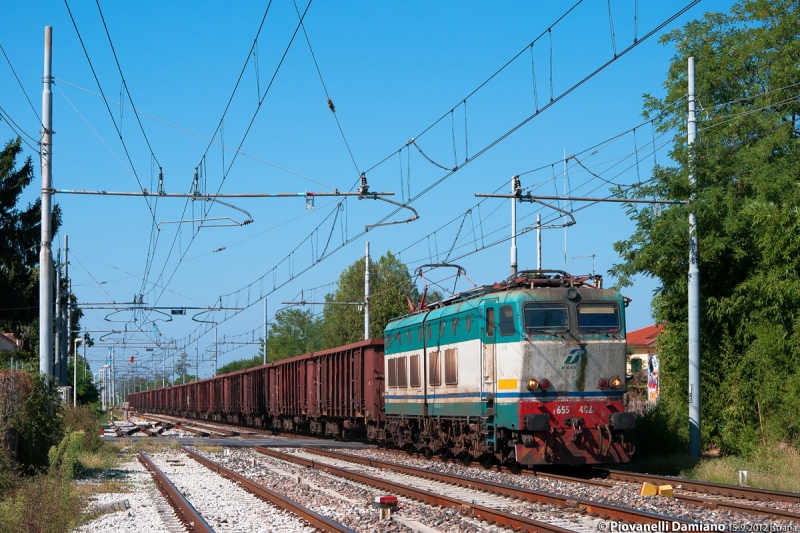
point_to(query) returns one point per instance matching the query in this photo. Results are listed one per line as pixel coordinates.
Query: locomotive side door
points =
(488, 348)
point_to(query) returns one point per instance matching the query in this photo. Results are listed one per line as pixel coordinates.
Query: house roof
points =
(8, 342)
(645, 337)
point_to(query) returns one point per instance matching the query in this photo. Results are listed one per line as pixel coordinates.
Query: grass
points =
(773, 468)
(207, 448)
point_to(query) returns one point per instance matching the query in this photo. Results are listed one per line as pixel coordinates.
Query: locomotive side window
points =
(435, 373)
(408, 336)
(401, 372)
(490, 322)
(451, 367)
(455, 325)
(546, 317)
(429, 332)
(441, 328)
(398, 338)
(598, 317)
(393, 372)
(419, 334)
(413, 374)
(469, 323)
(507, 320)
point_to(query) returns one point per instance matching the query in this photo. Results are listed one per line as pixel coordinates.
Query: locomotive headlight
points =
(615, 383)
(533, 384)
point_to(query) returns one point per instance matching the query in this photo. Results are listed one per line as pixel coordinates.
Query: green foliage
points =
(64, 459)
(241, 364)
(293, 332)
(389, 284)
(745, 161)
(19, 243)
(41, 504)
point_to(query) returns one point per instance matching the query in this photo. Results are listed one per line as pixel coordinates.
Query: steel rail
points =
(184, 510)
(193, 427)
(601, 509)
(706, 487)
(315, 519)
(705, 503)
(236, 431)
(471, 509)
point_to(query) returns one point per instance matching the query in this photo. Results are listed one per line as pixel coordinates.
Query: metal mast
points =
(68, 333)
(57, 325)
(366, 294)
(514, 190)
(45, 253)
(539, 242)
(694, 287)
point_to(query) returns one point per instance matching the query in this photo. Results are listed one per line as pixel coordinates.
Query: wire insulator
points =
(331, 106)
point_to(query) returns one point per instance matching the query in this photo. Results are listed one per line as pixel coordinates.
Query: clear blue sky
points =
(391, 69)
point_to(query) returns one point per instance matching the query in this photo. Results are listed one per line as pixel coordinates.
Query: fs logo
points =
(573, 358)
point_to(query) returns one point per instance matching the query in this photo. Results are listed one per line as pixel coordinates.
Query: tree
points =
(20, 235)
(390, 282)
(293, 332)
(241, 364)
(748, 198)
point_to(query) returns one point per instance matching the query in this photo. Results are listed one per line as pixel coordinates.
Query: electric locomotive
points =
(528, 371)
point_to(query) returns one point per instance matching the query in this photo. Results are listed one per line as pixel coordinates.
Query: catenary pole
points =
(266, 333)
(215, 349)
(514, 190)
(45, 253)
(57, 325)
(70, 344)
(695, 442)
(539, 242)
(366, 294)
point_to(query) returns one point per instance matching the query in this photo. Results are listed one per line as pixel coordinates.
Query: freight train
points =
(530, 371)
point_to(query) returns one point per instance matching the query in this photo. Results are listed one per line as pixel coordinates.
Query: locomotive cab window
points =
(490, 322)
(598, 317)
(507, 320)
(546, 317)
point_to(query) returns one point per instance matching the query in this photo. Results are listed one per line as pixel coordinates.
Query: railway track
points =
(610, 476)
(203, 430)
(481, 501)
(608, 512)
(184, 510)
(315, 519)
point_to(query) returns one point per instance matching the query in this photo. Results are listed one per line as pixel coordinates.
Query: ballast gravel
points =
(142, 514)
(223, 504)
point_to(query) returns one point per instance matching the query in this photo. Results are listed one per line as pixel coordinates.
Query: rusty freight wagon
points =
(330, 392)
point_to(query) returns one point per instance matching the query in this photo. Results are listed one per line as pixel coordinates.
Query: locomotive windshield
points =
(598, 317)
(546, 317)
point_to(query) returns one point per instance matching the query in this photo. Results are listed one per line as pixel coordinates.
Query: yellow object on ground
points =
(665, 490)
(648, 489)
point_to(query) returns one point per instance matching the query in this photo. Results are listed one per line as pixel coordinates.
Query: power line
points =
(38, 118)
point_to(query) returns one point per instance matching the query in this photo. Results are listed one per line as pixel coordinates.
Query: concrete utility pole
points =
(57, 326)
(113, 390)
(197, 360)
(366, 294)
(67, 333)
(515, 188)
(75, 371)
(266, 331)
(695, 444)
(45, 253)
(215, 349)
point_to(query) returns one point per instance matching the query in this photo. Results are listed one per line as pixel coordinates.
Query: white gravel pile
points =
(222, 503)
